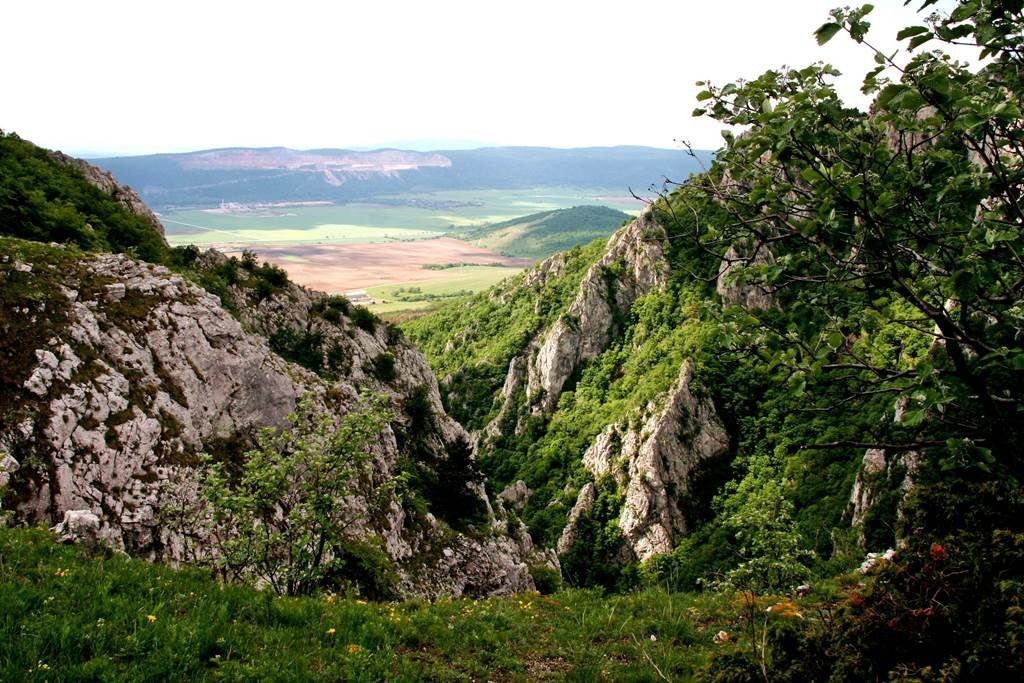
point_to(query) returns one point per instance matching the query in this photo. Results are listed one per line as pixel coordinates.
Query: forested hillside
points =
(811, 351)
(542, 234)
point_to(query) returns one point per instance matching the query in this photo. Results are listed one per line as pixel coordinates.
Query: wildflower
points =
(331, 631)
(360, 602)
(937, 552)
(354, 649)
(151, 618)
(721, 637)
(329, 598)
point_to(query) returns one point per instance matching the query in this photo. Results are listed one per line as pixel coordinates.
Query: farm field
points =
(420, 294)
(393, 218)
(340, 268)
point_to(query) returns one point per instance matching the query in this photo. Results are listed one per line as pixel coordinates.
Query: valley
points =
(484, 414)
(377, 246)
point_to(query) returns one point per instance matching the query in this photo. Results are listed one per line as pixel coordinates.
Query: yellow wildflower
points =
(329, 598)
(151, 618)
(330, 631)
(354, 649)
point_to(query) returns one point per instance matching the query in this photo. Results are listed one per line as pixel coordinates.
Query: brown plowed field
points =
(336, 268)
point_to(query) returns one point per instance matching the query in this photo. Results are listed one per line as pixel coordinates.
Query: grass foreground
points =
(67, 614)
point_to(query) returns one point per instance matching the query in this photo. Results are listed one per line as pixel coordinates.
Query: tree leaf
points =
(825, 32)
(912, 31)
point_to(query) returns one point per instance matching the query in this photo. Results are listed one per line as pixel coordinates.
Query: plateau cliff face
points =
(121, 372)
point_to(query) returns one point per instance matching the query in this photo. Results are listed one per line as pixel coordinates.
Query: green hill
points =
(542, 234)
(46, 197)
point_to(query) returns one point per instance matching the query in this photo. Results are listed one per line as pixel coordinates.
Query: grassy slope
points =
(542, 234)
(69, 615)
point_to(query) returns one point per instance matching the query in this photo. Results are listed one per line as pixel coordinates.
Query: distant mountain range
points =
(239, 174)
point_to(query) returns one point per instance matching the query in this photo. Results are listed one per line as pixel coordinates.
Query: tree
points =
(909, 216)
(284, 517)
(772, 559)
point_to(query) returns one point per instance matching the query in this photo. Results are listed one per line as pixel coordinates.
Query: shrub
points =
(383, 367)
(285, 517)
(364, 319)
(546, 579)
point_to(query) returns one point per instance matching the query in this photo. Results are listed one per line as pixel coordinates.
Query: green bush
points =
(364, 319)
(546, 579)
(283, 516)
(383, 367)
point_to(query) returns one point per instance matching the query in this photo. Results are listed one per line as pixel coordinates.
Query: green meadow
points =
(67, 614)
(419, 294)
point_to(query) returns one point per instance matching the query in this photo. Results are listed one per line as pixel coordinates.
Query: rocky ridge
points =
(652, 460)
(633, 263)
(140, 370)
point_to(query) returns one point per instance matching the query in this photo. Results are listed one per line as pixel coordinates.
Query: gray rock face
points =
(515, 495)
(8, 466)
(147, 370)
(653, 465)
(734, 293)
(106, 182)
(81, 526)
(881, 470)
(632, 265)
(584, 502)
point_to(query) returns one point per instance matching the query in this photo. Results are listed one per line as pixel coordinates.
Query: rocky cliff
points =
(561, 451)
(652, 458)
(118, 373)
(632, 264)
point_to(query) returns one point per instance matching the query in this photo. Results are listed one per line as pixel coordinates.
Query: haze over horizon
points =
(187, 76)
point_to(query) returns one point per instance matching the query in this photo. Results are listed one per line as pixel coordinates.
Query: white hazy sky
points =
(139, 77)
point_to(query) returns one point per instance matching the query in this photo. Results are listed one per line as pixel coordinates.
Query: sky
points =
(105, 77)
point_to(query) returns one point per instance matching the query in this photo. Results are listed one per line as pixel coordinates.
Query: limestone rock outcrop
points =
(633, 264)
(882, 470)
(139, 370)
(653, 464)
